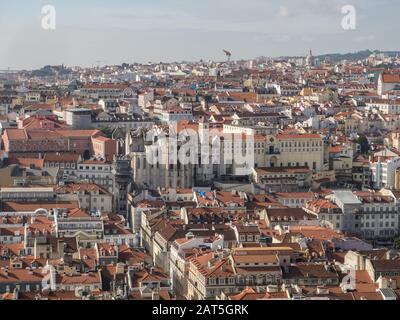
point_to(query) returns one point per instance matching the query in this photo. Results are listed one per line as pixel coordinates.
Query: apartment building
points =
(279, 179)
(91, 197)
(294, 199)
(181, 250)
(387, 82)
(99, 91)
(66, 162)
(212, 273)
(286, 217)
(383, 166)
(97, 171)
(380, 216)
(23, 280)
(301, 150)
(371, 215)
(82, 142)
(87, 227)
(328, 213)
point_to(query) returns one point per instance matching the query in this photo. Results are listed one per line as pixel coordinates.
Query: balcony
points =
(272, 153)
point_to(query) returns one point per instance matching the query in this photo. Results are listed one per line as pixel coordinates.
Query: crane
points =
(228, 54)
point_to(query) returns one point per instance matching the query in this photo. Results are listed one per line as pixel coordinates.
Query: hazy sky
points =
(117, 31)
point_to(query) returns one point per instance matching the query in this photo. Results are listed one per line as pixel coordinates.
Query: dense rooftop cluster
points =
(313, 213)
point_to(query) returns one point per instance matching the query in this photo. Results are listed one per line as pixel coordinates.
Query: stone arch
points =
(274, 162)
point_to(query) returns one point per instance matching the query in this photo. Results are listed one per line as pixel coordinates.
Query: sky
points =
(91, 32)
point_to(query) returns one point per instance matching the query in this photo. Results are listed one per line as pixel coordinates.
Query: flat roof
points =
(30, 189)
(79, 110)
(346, 197)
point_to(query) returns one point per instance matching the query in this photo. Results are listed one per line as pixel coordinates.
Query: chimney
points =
(155, 295)
(15, 294)
(391, 255)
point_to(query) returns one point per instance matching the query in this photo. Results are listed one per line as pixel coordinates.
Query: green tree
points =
(86, 155)
(396, 243)
(363, 142)
(107, 131)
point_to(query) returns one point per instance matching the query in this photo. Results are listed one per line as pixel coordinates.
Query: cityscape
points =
(227, 179)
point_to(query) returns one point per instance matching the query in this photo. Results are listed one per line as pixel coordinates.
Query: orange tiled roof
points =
(391, 78)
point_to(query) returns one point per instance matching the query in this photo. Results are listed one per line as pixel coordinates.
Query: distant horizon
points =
(197, 61)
